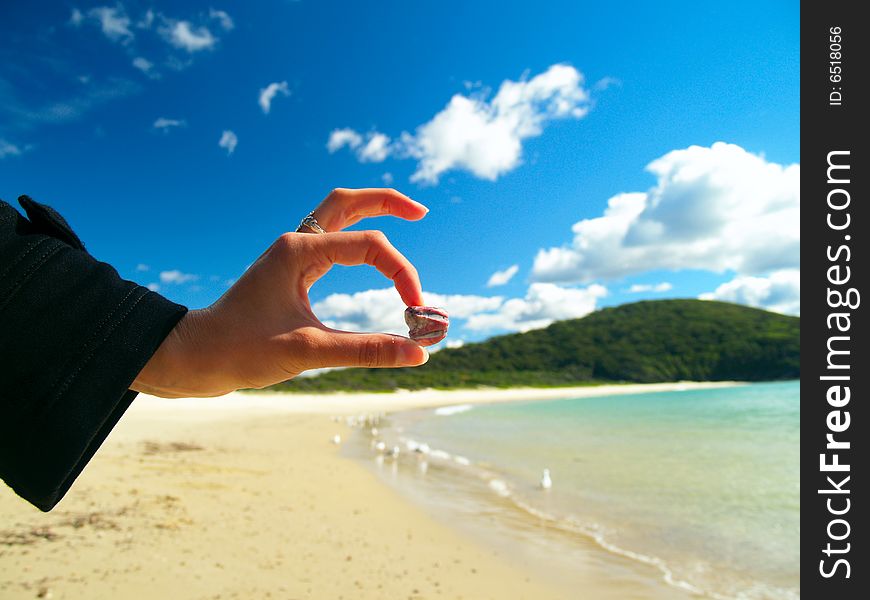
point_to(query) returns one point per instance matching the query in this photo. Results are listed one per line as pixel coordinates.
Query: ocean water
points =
(688, 493)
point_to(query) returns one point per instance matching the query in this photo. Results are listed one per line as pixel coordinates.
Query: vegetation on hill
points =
(643, 342)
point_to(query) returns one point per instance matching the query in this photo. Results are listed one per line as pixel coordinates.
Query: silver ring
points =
(311, 223)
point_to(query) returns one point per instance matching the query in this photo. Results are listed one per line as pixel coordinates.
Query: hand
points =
(262, 330)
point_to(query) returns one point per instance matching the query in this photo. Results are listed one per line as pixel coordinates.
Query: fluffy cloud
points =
(486, 138)
(637, 288)
(376, 148)
(142, 267)
(339, 138)
(165, 125)
(267, 94)
(182, 34)
(382, 309)
(718, 208)
(228, 141)
(190, 36)
(480, 136)
(226, 22)
(113, 21)
(8, 149)
(387, 178)
(543, 304)
(502, 277)
(779, 292)
(154, 287)
(177, 277)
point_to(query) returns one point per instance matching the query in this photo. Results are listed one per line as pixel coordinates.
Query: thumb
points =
(347, 349)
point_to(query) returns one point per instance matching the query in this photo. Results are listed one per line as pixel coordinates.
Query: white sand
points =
(346, 403)
(245, 496)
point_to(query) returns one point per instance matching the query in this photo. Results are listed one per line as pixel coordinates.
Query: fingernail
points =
(413, 355)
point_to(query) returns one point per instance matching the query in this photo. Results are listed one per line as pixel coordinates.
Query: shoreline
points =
(347, 403)
(245, 495)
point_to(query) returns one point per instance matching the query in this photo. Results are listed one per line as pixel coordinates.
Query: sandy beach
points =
(245, 496)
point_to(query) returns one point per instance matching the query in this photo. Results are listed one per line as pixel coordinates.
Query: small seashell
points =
(427, 325)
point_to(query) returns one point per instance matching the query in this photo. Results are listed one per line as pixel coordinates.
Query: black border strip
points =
(834, 228)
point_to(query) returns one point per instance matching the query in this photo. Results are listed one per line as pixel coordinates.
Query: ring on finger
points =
(311, 223)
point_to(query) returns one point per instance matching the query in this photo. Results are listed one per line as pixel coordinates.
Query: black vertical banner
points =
(834, 372)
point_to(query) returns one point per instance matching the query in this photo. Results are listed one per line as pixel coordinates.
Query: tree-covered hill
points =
(643, 342)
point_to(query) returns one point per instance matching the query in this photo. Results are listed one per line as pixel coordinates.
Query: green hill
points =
(644, 342)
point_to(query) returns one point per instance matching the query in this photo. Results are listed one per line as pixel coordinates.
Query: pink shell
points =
(427, 325)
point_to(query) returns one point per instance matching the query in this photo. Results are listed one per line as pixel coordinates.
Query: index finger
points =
(351, 248)
(345, 207)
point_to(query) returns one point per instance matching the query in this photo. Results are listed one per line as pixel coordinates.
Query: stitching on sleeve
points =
(30, 271)
(84, 347)
(106, 318)
(71, 377)
(22, 256)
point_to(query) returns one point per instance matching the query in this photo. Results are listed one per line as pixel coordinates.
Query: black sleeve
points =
(73, 337)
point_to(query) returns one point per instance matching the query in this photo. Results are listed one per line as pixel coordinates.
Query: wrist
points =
(179, 368)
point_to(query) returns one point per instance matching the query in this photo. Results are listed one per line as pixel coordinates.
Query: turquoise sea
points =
(675, 494)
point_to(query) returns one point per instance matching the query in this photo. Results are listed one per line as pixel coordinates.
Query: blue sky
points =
(113, 112)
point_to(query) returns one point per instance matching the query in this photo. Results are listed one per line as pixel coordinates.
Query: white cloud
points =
(376, 148)
(485, 137)
(182, 34)
(223, 18)
(229, 141)
(339, 138)
(502, 277)
(638, 288)
(267, 94)
(165, 125)
(455, 343)
(387, 178)
(779, 292)
(8, 149)
(718, 208)
(543, 304)
(154, 287)
(464, 306)
(76, 17)
(142, 267)
(114, 22)
(177, 277)
(382, 309)
(144, 65)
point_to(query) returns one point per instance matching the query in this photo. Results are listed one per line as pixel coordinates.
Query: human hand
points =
(262, 330)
